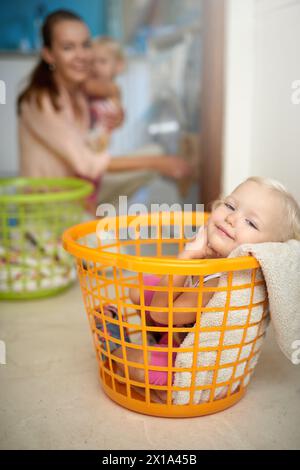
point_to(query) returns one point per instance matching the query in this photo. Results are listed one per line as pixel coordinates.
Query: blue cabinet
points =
(20, 20)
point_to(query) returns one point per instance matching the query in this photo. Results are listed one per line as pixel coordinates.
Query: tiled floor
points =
(50, 395)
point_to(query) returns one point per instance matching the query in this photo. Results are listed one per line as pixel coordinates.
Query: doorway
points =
(212, 98)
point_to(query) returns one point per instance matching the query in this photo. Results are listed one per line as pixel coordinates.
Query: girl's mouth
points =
(224, 232)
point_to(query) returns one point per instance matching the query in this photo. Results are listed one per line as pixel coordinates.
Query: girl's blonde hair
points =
(291, 223)
(112, 45)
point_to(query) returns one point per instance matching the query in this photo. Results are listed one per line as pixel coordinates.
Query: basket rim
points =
(155, 265)
(73, 189)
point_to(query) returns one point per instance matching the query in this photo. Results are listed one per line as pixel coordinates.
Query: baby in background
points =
(258, 210)
(104, 97)
(108, 63)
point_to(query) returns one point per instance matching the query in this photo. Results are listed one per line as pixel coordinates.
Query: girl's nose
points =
(230, 218)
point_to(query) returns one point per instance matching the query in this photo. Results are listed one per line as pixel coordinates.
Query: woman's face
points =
(70, 51)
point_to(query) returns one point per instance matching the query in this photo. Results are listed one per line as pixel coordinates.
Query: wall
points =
(276, 122)
(261, 134)
(239, 65)
(13, 70)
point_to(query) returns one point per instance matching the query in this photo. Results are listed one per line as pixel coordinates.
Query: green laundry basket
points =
(34, 212)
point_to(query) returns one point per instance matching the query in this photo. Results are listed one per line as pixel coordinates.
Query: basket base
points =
(137, 404)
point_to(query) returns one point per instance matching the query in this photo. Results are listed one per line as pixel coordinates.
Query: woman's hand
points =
(101, 163)
(173, 167)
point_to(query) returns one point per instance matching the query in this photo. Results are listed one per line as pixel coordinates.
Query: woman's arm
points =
(51, 129)
(95, 88)
(170, 166)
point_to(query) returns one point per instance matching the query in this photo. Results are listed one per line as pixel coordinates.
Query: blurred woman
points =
(54, 116)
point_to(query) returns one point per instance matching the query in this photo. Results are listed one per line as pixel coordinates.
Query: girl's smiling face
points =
(105, 65)
(253, 213)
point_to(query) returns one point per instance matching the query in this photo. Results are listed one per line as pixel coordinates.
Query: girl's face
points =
(70, 51)
(251, 214)
(105, 66)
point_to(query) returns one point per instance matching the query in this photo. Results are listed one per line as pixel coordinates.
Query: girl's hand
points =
(199, 247)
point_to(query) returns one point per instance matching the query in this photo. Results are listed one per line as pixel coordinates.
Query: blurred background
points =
(219, 72)
(160, 86)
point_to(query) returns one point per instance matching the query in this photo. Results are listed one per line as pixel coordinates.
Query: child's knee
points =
(134, 295)
(137, 356)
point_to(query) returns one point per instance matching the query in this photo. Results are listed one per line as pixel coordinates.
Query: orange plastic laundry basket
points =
(111, 268)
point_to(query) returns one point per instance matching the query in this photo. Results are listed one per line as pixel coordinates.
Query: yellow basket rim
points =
(147, 264)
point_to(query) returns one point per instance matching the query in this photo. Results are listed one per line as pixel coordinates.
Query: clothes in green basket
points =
(32, 263)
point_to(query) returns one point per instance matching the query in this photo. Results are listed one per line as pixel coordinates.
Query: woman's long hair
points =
(41, 79)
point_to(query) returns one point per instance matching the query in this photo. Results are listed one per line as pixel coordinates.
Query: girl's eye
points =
(229, 206)
(251, 224)
(87, 45)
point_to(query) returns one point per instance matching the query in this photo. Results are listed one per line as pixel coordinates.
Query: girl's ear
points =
(47, 55)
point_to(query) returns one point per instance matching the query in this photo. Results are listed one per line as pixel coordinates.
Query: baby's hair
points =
(114, 46)
(291, 227)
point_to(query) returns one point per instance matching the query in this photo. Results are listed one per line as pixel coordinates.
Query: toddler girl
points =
(258, 210)
(108, 63)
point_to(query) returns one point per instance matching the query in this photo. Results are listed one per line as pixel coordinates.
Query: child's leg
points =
(148, 280)
(134, 294)
(132, 355)
(136, 374)
(113, 329)
(156, 377)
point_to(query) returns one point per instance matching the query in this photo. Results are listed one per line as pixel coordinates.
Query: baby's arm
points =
(193, 249)
(186, 300)
(95, 88)
(196, 249)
